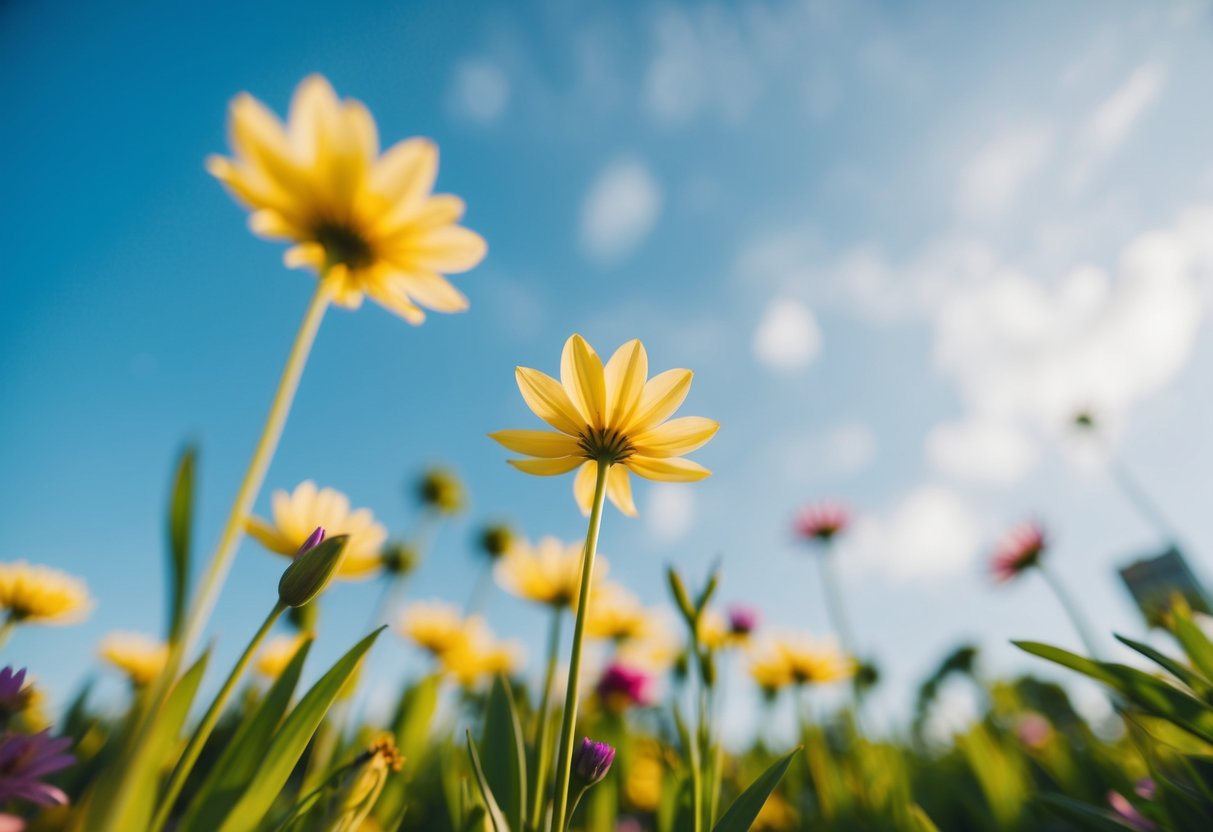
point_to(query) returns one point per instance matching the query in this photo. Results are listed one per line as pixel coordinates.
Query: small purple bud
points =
(313, 540)
(591, 761)
(1146, 788)
(742, 621)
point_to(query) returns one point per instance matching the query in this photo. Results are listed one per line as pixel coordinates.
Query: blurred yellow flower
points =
(277, 654)
(775, 815)
(770, 669)
(814, 662)
(368, 223)
(41, 595)
(480, 655)
(547, 573)
(140, 657)
(616, 614)
(297, 514)
(714, 632)
(643, 775)
(608, 415)
(436, 626)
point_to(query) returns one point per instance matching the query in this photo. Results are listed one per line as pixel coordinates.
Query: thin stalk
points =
(1071, 609)
(203, 732)
(564, 766)
(6, 629)
(836, 610)
(542, 756)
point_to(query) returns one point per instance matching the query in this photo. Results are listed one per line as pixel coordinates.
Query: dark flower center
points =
(343, 245)
(605, 445)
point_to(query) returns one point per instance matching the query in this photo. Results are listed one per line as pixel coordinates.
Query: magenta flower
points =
(24, 759)
(1128, 813)
(622, 687)
(821, 522)
(591, 761)
(1019, 550)
(313, 540)
(742, 620)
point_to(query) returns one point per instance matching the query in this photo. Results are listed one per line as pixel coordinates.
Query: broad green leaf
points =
(920, 821)
(1088, 667)
(1194, 642)
(1185, 674)
(1081, 815)
(180, 523)
(496, 819)
(242, 756)
(504, 753)
(290, 740)
(740, 816)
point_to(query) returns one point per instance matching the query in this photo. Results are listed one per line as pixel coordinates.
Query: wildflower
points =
(652, 646)
(608, 416)
(312, 569)
(367, 223)
(1128, 813)
(437, 627)
(41, 595)
(743, 621)
(362, 786)
(299, 513)
(15, 695)
(479, 655)
(771, 670)
(496, 540)
(1019, 550)
(25, 759)
(713, 631)
(591, 761)
(616, 614)
(547, 573)
(814, 662)
(277, 654)
(622, 687)
(1034, 731)
(440, 490)
(822, 522)
(140, 657)
(643, 776)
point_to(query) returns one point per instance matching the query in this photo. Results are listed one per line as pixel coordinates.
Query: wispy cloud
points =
(996, 175)
(619, 211)
(788, 337)
(479, 90)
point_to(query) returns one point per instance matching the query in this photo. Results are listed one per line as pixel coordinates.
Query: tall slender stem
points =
(565, 762)
(6, 628)
(203, 732)
(834, 606)
(1071, 609)
(542, 755)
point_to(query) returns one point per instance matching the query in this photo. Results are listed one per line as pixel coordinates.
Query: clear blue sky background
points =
(896, 246)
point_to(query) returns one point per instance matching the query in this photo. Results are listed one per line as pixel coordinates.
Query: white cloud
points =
(841, 451)
(932, 532)
(788, 337)
(670, 512)
(987, 450)
(993, 179)
(480, 90)
(619, 211)
(1111, 122)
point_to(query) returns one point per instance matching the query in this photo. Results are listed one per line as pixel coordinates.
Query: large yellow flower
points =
(547, 573)
(812, 661)
(608, 415)
(368, 223)
(140, 657)
(296, 516)
(39, 594)
(437, 627)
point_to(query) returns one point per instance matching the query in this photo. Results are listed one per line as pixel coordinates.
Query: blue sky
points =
(897, 247)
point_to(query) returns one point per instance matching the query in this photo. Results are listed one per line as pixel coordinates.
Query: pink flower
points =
(1019, 550)
(821, 522)
(622, 687)
(1129, 814)
(24, 759)
(742, 620)
(1034, 731)
(11, 823)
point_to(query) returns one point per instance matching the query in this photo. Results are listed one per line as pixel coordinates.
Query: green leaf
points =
(504, 753)
(496, 818)
(180, 523)
(1185, 674)
(1088, 667)
(920, 821)
(1194, 642)
(242, 756)
(290, 740)
(1082, 815)
(740, 816)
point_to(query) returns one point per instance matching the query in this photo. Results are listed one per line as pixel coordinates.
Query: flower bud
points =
(591, 762)
(362, 787)
(312, 569)
(679, 591)
(399, 558)
(496, 540)
(441, 490)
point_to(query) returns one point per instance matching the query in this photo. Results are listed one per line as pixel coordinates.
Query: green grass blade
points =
(290, 740)
(496, 818)
(740, 816)
(180, 525)
(1082, 816)
(504, 753)
(240, 759)
(1185, 674)
(920, 821)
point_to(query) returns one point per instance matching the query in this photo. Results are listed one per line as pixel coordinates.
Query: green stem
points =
(6, 629)
(565, 762)
(1071, 609)
(573, 806)
(836, 610)
(203, 731)
(542, 756)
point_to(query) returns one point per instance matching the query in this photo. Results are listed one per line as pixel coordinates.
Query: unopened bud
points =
(311, 571)
(679, 591)
(496, 540)
(440, 489)
(363, 785)
(591, 762)
(399, 558)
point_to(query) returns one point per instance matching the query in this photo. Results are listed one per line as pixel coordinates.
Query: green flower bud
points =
(496, 539)
(311, 571)
(679, 591)
(362, 786)
(441, 490)
(399, 558)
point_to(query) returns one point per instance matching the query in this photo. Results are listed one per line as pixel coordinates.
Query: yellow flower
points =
(714, 632)
(296, 516)
(140, 657)
(480, 655)
(41, 595)
(653, 646)
(775, 815)
(437, 627)
(771, 670)
(277, 654)
(615, 614)
(547, 573)
(814, 662)
(644, 773)
(608, 415)
(368, 223)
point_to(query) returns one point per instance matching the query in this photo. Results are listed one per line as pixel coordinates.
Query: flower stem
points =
(203, 731)
(6, 629)
(542, 757)
(1071, 609)
(565, 761)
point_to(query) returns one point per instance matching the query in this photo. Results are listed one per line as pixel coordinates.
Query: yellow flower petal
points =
(541, 443)
(406, 172)
(312, 122)
(429, 290)
(583, 486)
(546, 467)
(675, 437)
(548, 400)
(625, 375)
(619, 490)
(667, 470)
(663, 394)
(581, 375)
(267, 535)
(447, 248)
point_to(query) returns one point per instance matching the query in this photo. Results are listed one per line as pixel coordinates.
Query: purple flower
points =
(24, 759)
(742, 620)
(1146, 788)
(591, 761)
(821, 522)
(1129, 814)
(313, 540)
(14, 696)
(622, 687)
